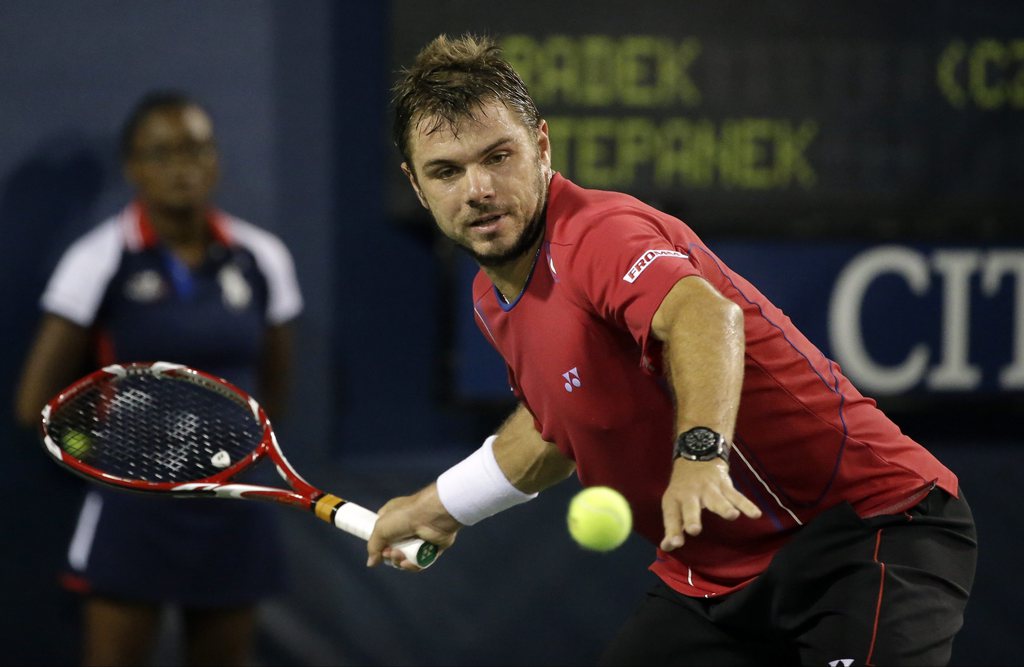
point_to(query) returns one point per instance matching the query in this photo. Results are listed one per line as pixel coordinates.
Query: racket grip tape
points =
(359, 521)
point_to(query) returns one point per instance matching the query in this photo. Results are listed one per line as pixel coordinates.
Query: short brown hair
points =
(450, 80)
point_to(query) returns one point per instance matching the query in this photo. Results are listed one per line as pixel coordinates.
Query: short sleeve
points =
(284, 300)
(624, 263)
(77, 286)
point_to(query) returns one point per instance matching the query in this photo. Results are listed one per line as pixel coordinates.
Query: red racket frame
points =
(356, 520)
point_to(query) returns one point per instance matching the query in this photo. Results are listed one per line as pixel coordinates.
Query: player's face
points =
(173, 162)
(484, 181)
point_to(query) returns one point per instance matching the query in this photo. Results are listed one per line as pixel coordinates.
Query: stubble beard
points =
(533, 230)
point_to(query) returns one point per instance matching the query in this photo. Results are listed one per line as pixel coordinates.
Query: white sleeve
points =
(284, 298)
(77, 285)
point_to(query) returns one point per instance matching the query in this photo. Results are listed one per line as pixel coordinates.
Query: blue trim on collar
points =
(501, 299)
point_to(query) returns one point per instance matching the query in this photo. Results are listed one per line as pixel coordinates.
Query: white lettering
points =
(952, 369)
(645, 260)
(998, 264)
(954, 372)
(844, 319)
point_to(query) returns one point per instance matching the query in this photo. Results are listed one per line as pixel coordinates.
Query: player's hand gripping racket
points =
(166, 428)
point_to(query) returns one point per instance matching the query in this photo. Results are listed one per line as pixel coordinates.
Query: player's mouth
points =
(487, 224)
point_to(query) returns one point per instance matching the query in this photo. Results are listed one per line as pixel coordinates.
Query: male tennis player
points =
(795, 523)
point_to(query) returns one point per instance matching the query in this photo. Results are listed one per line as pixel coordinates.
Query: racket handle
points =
(359, 521)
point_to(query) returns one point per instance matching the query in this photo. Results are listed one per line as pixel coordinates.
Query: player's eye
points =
(445, 173)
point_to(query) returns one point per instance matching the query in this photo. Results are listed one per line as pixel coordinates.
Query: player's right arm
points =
(73, 295)
(54, 360)
(515, 465)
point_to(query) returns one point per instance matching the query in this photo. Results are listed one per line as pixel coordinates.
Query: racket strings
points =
(155, 429)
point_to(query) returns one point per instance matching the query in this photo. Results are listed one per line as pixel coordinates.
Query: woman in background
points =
(170, 278)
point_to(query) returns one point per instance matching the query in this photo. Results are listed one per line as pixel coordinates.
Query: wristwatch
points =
(701, 444)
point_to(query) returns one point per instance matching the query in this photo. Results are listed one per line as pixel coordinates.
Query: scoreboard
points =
(796, 118)
(872, 150)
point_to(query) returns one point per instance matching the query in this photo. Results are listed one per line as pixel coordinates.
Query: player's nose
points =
(479, 185)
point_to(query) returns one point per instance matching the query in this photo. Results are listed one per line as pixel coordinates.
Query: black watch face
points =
(700, 441)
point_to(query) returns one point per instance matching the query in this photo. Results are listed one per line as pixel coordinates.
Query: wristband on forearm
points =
(476, 488)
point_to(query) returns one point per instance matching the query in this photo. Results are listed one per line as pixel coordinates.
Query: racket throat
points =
(326, 507)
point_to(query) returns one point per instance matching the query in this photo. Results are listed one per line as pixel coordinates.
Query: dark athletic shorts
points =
(889, 590)
(193, 552)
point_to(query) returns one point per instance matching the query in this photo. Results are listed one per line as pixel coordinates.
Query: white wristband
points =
(476, 488)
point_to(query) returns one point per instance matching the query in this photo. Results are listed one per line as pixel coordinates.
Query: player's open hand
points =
(420, 515)
(696, 486)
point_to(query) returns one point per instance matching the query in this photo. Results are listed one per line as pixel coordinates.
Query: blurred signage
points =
(822, 118)
(901, 320)
(973, 299)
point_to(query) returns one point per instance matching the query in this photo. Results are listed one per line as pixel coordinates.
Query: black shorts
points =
(193, 552)
(889, 590)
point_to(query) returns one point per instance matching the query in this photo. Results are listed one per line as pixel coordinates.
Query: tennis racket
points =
(166, 428)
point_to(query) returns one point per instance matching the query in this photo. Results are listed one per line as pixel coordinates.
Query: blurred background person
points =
(169, 278)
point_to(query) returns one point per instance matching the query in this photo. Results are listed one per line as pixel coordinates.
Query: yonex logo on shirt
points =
(646, 259)
(572, 379)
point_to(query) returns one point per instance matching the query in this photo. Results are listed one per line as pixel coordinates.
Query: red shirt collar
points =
(141, 235)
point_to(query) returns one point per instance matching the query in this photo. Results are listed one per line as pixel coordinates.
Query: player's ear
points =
(415, 184)
(544, 144)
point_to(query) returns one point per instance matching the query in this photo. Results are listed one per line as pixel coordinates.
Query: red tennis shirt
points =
(581, 357)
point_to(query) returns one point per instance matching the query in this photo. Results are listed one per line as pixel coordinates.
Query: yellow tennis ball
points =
(76, 443)
(599, 518)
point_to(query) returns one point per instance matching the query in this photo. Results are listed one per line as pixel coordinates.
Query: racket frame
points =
(344, 514)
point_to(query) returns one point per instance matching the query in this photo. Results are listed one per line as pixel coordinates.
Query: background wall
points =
(298, 92)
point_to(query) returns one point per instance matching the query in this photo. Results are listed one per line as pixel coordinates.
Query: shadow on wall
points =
(49, 197)
(45, 201)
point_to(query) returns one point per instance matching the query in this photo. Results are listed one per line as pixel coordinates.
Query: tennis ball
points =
(76, 443)
(599, 518)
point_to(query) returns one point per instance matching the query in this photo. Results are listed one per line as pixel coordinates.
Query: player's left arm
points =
(703, 349)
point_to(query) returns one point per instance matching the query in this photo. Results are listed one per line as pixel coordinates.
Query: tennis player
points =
(794, 522)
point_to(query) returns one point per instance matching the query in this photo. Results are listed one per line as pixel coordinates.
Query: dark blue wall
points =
(298, 93)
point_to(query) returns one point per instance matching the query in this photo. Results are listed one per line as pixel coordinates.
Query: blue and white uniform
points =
(144, 304)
